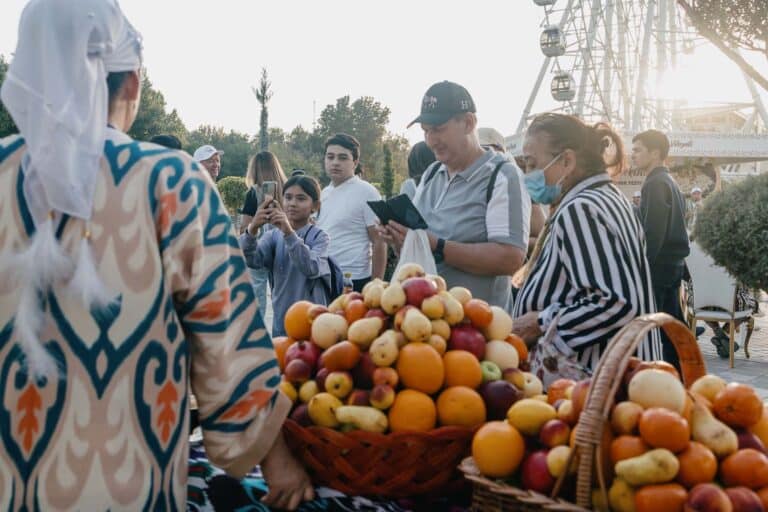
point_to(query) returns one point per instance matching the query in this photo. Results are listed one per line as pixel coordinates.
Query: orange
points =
(296, 320)
(460, 406)
(747, 467)
(655, 498)
(698, 465)
(478, 312)
(738, 405)
(498, 449)
(626, 447)
(763, 495)
(420, 367)
(412, 411)
(662, 428)
(281, 344)
(760, 429)
(462, 369)
(520, 346)
(355, 310)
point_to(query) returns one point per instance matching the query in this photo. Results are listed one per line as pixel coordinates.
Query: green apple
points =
(491, 371)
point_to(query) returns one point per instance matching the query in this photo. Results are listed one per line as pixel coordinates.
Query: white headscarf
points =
(56, 92)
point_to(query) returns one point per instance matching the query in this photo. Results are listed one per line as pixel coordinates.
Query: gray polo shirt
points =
(458, 211)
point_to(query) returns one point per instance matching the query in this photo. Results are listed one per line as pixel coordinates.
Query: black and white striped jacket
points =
(593, 271)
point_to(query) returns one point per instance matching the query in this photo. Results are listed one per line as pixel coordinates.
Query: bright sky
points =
(204, 56)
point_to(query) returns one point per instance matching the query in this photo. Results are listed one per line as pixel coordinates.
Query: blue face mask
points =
(539, 190)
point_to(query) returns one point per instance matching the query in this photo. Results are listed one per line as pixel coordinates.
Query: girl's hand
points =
(261, 217)
(278, 219)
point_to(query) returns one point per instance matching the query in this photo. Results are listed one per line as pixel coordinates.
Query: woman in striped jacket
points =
(588, 275)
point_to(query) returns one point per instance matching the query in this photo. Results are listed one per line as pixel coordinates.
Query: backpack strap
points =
(492, 181)
(431, 171)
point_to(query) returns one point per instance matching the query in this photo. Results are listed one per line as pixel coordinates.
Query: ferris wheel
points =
(606, 59)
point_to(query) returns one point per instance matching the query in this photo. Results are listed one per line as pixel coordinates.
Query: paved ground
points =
(752, 371)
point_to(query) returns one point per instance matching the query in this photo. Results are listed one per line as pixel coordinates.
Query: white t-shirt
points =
(346, 216)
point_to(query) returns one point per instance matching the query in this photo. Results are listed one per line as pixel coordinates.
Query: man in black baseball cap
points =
(473, 200)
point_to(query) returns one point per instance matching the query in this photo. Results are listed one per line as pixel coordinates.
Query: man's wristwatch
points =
(438, 252)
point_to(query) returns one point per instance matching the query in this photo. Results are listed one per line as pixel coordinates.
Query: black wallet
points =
(400, 209)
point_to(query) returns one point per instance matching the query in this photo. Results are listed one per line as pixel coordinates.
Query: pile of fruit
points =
(664, 448)
(408, 355)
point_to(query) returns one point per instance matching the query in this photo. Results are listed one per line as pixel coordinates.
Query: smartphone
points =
(269, 188)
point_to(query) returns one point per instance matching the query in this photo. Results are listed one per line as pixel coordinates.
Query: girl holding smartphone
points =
(262, 168)
(295, 252)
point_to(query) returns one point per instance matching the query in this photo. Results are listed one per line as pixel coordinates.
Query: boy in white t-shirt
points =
(346, 216)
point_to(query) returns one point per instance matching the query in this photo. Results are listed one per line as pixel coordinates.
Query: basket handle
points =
(605, 383)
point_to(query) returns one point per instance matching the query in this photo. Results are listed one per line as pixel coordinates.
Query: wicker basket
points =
(492, 496)
(399, 465)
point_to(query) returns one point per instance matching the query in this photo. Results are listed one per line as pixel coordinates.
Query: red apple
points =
(304, 350)
(554, 433)
(363, 372)
(320, 376)
(499, 395)
(301, 415)
(359, 397)
(466, 337)
(315, 311)
(536, 476)
(386, 376)
(744, 499)
(417, 289)
(379, 313)
(707, 498)
(297, 371)
(749, 440)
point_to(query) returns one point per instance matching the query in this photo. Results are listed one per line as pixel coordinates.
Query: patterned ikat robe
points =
(112, 432)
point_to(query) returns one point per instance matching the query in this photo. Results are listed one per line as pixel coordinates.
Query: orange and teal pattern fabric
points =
(111, 432)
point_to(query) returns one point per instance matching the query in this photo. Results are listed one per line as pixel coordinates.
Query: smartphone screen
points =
(269, 188)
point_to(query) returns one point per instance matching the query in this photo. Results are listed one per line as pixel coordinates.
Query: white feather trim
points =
(43, 262)
(86, 285)
(28, 325)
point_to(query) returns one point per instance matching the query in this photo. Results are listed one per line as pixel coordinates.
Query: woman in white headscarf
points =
(121, 283)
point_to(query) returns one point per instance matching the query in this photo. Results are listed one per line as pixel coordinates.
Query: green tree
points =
(152, 118)
(733, 25)
(388, 178)
(7, 126)
(264, 94)
(233, 191)
(237, 147)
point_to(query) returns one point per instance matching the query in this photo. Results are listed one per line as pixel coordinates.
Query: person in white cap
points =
(210, 158)
(636, 196)
(119, 291)
(490, 138)
(692, 208)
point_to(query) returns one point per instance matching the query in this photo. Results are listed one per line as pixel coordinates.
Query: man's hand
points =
(527, 327)
(288, 483)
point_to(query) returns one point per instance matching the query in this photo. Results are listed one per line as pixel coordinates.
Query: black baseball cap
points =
(442, 101)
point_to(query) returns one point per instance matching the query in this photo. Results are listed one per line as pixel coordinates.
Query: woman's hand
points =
(288, 483)
(527, 327)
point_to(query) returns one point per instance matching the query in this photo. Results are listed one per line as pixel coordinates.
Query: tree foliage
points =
(263, 95)
(7, 126)
(233, 191)
(237, 147)
(736, 238)
(388, 177)
(152, 118)
(740, 23)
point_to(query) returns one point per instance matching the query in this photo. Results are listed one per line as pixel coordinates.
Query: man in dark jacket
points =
(662, 212)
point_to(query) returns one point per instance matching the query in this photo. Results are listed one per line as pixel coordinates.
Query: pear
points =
(416, 326)
(384, 350)
(369, 419)
(363, 331)
(393, 298)
(322, 410)
(711, 432)
(654, 467)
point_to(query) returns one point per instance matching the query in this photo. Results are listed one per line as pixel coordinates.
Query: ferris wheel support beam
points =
(644, 57)
(661, 60)
(586, 57)
(759, 105)
(542, 72)
(608, 59)
(625, 91)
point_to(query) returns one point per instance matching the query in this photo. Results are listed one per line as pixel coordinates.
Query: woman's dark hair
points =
(419, 159)
(345, 141)
(168, 141)
(359, 169)
(308, 184)
(588, 142)
(115, 81)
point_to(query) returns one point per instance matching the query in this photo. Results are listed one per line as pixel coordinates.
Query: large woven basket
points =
(489, 495)
(398, 465)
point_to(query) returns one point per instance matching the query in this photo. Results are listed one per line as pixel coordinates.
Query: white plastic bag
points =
(416, 250)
